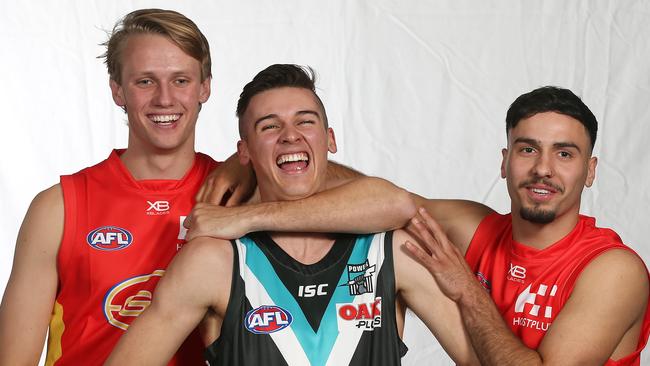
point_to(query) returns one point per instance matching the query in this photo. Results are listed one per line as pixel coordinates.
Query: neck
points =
(157, 165)
(541, 236)
(306, 248)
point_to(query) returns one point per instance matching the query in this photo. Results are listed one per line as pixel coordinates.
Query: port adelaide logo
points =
(109, 238)
(360, 278)
(267, 319)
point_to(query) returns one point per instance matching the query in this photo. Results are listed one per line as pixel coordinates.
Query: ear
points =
(591, 171)
(204, 93)
(331, 140)
(504, 157)
(242, 152)
(118, 93)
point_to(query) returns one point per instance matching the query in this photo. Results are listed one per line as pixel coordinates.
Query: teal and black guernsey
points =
(338, 311)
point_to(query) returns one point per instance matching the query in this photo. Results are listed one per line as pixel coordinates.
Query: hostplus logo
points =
(537, 313)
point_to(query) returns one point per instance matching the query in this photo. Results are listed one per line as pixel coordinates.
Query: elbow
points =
(404, 206)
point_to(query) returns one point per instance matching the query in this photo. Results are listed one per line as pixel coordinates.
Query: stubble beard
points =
(537, 215)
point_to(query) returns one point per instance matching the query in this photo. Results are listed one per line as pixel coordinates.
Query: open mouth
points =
(164, 119)
(293, 162)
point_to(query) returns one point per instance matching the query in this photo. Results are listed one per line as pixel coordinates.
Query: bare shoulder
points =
(48, 203)
(616, 268)
(42, 226)
(206, 263)
(407, 268)
(207, 254)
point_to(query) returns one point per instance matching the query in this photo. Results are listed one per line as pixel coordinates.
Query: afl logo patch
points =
(109, 238)
(267, 319)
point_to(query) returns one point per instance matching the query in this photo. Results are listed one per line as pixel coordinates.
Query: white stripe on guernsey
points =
(346, 342)
(256, 294)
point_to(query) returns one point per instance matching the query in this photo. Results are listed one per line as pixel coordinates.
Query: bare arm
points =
(154, 337)
(29, 297)
(590, 328)
(458, 218)
(417, 287)
(360, 206)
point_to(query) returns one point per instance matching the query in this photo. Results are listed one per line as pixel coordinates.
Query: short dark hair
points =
(278, 76)
(552, 99)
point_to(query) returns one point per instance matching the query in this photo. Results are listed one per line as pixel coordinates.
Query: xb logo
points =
(517, 271)
(158, 206)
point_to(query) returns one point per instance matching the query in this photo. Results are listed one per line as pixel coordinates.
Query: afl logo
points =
(267, 319)
(109, 238)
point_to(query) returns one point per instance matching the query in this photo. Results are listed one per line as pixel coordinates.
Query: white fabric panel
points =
(416, 91)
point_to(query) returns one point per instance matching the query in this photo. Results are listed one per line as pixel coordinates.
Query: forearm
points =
(361, 206)
(493, 341)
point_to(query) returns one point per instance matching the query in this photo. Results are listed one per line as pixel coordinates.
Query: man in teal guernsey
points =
(286, 298)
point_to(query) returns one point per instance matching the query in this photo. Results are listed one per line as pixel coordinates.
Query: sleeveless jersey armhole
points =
(72, 187)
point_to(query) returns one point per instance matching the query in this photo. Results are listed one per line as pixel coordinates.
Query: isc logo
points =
(109, 238)
(267, 319)
(128, 299)
(312, 290)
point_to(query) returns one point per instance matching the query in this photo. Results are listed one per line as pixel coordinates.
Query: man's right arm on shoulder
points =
(31, 291)
(180, 302)
(361, 205)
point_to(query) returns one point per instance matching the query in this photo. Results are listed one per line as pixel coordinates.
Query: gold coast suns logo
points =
(128, 299)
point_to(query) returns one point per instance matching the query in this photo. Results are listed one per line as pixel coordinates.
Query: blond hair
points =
(177, 27)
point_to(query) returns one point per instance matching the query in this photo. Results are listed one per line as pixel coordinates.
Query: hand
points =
(229, 184)
(218, 222)
(441, 257)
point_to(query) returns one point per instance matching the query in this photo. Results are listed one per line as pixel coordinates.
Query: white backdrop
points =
(416, 91)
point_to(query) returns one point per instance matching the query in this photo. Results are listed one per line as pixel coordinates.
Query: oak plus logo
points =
(535, 307)
(365, 316)
(516, 273)
(158, 208)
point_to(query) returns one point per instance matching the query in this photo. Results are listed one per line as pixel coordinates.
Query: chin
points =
(537, 215)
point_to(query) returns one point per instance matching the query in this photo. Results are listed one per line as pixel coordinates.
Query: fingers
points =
(200, 195)
(187, 223)
(217, 194)
(419, 253)
(236, 197)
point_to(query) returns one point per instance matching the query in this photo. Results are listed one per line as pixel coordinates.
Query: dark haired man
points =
(291, 298)
(571, 292)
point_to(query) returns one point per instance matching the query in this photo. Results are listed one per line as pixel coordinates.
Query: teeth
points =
(165, 118)
(288, 158)
(540, 191)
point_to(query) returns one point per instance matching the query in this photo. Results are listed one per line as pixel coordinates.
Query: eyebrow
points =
(557, 145)
(273, 115)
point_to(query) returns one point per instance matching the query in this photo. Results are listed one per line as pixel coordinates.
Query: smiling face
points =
(161, 89)
(546, 166)
(287, 142)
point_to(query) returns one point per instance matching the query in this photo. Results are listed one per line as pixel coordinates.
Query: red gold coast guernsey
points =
(531, 286)
(119, 236)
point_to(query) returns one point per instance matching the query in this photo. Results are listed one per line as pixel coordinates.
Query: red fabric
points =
(531, 286)
(96, 300)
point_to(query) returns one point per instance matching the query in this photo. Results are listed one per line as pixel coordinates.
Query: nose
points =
(163, 96)
(290, 134)
(543, 166)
